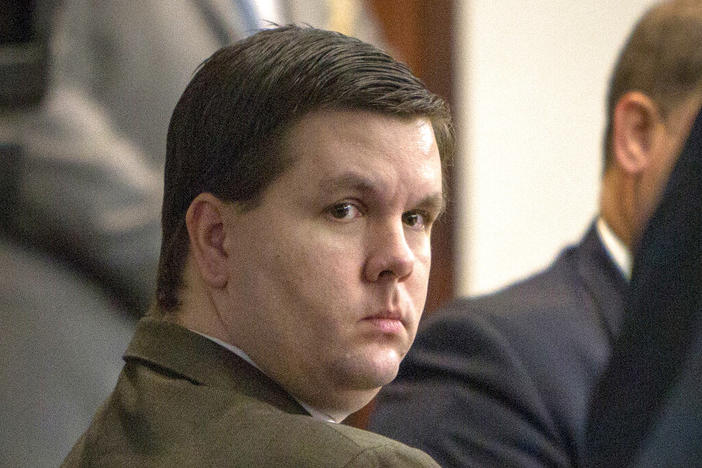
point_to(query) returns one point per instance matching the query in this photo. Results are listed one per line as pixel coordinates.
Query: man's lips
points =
(387, 321)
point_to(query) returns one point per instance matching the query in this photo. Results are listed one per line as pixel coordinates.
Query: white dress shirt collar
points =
(618, 252)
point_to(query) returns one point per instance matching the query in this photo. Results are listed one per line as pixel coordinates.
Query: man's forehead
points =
(334, 119)
(363, 150)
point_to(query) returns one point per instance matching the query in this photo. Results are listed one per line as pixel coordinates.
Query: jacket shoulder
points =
(297, 440)
(174, 422)
(262, 435)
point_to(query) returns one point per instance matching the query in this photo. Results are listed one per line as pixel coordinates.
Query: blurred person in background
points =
(61, 330)
(505, 379)
(117, 71)
(136, 58)
(646, 408)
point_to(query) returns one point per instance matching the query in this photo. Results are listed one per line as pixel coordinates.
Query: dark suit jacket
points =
(183, 400)
(503, 380)
(647, 408)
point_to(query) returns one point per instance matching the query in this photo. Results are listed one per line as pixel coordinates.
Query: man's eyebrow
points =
(434, 203)
(348, 180)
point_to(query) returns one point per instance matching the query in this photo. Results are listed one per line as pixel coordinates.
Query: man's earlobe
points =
(205, 223)
(636, 121)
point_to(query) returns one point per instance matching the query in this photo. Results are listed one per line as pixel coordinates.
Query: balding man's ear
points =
(636, 126)
(204, 220)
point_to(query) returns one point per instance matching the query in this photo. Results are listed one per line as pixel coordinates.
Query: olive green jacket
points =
(183, 400)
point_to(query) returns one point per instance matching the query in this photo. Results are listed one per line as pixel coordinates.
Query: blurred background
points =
(529, 84)
(86, 92)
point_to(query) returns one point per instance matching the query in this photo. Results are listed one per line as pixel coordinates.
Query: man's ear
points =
(636, 123)
(205, 222)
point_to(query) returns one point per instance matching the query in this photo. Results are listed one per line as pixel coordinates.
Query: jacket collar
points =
(603, 279)
(175, 350)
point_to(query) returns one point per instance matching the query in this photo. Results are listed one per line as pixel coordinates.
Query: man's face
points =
(329, 273)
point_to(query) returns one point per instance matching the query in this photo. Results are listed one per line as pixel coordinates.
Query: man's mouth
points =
(387, 321)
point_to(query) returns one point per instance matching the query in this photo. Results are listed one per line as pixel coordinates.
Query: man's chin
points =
(371, 374)
(382, 376)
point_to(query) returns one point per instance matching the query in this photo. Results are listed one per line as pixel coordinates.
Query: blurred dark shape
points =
(647, 407)
(62, 334)
(82, 192)
(16, 21)
(23, 55)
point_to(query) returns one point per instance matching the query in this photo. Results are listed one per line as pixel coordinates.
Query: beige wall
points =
(531, 87)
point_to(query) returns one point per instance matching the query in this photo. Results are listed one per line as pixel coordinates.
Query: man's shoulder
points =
(304, 441)
(559, 293)
(170, 421)
(543, 296)
(271, 437)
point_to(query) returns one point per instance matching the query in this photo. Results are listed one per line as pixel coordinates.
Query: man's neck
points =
(616, 204)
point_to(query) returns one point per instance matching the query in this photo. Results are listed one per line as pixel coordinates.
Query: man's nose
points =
(390, 256)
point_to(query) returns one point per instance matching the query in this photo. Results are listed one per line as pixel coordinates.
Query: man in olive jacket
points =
(303, 174)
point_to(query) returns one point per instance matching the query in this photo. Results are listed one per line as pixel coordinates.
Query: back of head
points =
(226, 131)
(662, 58)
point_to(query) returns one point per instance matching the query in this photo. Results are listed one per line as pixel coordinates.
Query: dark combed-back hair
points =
(226, 131)
(662, 58)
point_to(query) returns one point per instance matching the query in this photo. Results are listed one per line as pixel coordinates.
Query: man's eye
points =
(344, 211)
(415, 220)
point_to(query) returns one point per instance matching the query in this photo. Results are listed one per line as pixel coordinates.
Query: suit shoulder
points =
(548, 313)
(378, 450)
(226, 430)
(545, 295)
(554, 287)
(298, 440)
